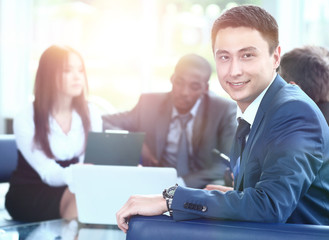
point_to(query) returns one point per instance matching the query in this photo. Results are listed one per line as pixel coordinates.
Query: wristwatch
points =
(168, 194)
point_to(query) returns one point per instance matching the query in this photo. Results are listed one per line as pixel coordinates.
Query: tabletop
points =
(61, 230)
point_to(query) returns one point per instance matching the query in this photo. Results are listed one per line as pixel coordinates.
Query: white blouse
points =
(63, 146)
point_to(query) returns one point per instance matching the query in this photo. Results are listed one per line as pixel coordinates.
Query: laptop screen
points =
(114, 148)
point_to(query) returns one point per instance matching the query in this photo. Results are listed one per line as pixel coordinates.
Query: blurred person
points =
(280, 154)
(308, 67)
(209, 130)
(51, 135)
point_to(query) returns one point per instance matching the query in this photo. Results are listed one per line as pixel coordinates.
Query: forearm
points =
(123, 120)
(213, 174)
(243, 206)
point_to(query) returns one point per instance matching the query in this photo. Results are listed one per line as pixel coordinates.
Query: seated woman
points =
(51, 135)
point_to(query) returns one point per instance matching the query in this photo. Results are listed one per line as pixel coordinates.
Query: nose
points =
(185, 90)
(235, 68)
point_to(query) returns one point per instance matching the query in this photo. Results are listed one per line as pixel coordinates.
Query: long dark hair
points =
(47, 82)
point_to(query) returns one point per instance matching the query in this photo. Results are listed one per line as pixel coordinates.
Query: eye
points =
(247, 55)
(222, 57)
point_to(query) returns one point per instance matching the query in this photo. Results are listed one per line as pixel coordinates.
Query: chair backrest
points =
(164, 227)
(8, 156)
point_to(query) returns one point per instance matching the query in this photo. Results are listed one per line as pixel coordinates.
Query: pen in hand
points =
(222, 156)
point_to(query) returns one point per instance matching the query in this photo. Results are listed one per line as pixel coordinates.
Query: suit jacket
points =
(324, 107)
(284, 172)
(214, 127)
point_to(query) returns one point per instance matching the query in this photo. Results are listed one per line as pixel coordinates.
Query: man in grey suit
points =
(209, 130)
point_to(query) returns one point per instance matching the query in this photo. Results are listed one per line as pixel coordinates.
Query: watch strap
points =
(169, 202)
(168, 195)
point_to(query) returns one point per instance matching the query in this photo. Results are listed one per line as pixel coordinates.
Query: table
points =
(60, 229)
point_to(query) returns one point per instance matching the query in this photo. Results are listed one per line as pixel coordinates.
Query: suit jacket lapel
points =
(199, 125)
(162, 125)
(264, 105)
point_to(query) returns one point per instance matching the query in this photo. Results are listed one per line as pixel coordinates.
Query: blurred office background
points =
(129, 46)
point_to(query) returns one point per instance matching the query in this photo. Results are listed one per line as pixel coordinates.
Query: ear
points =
(207, 87)
(172, 79)
(292, 83)
(276, 57)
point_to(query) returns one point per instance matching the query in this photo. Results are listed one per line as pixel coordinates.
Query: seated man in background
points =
(308, 67)
(191, 147)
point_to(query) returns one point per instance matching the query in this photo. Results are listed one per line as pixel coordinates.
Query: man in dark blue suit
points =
(282, 173)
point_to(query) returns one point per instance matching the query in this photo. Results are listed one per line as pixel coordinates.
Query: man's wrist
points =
(168, 195)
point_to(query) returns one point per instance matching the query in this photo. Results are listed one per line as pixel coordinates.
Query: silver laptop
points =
(114, 148)
(102, 190)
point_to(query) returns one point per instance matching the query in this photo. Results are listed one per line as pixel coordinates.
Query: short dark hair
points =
(252, 17)
(308, 67)
(195, 61)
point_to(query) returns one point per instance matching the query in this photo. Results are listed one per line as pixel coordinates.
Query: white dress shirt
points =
(63, 146)
(175, 131)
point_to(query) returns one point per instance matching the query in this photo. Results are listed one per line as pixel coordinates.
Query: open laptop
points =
(102, 190)
(114, 148)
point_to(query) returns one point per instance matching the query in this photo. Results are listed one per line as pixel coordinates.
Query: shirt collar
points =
(251, 111)
(193, 110)
(76, 122)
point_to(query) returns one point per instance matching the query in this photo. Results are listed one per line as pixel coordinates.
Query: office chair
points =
(8, 156)
(164, 228)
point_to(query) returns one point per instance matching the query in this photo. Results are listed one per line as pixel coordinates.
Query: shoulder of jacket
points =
(219, 100)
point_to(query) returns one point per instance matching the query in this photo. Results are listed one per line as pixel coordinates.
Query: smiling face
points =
(244, 64)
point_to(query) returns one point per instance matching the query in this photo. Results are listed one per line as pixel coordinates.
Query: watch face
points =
(171, 191)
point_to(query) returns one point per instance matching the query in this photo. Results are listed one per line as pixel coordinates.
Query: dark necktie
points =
(183, 146)
(239, 143)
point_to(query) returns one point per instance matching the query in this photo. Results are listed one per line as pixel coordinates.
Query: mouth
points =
(182, 102)
(238, 84)
(77, 85)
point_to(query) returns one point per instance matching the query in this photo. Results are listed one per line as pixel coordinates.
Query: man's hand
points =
(146, 205)
(218, 188)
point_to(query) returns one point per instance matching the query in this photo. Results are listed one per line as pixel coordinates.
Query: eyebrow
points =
(249, 49)
(246, 49)
(220, 51)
